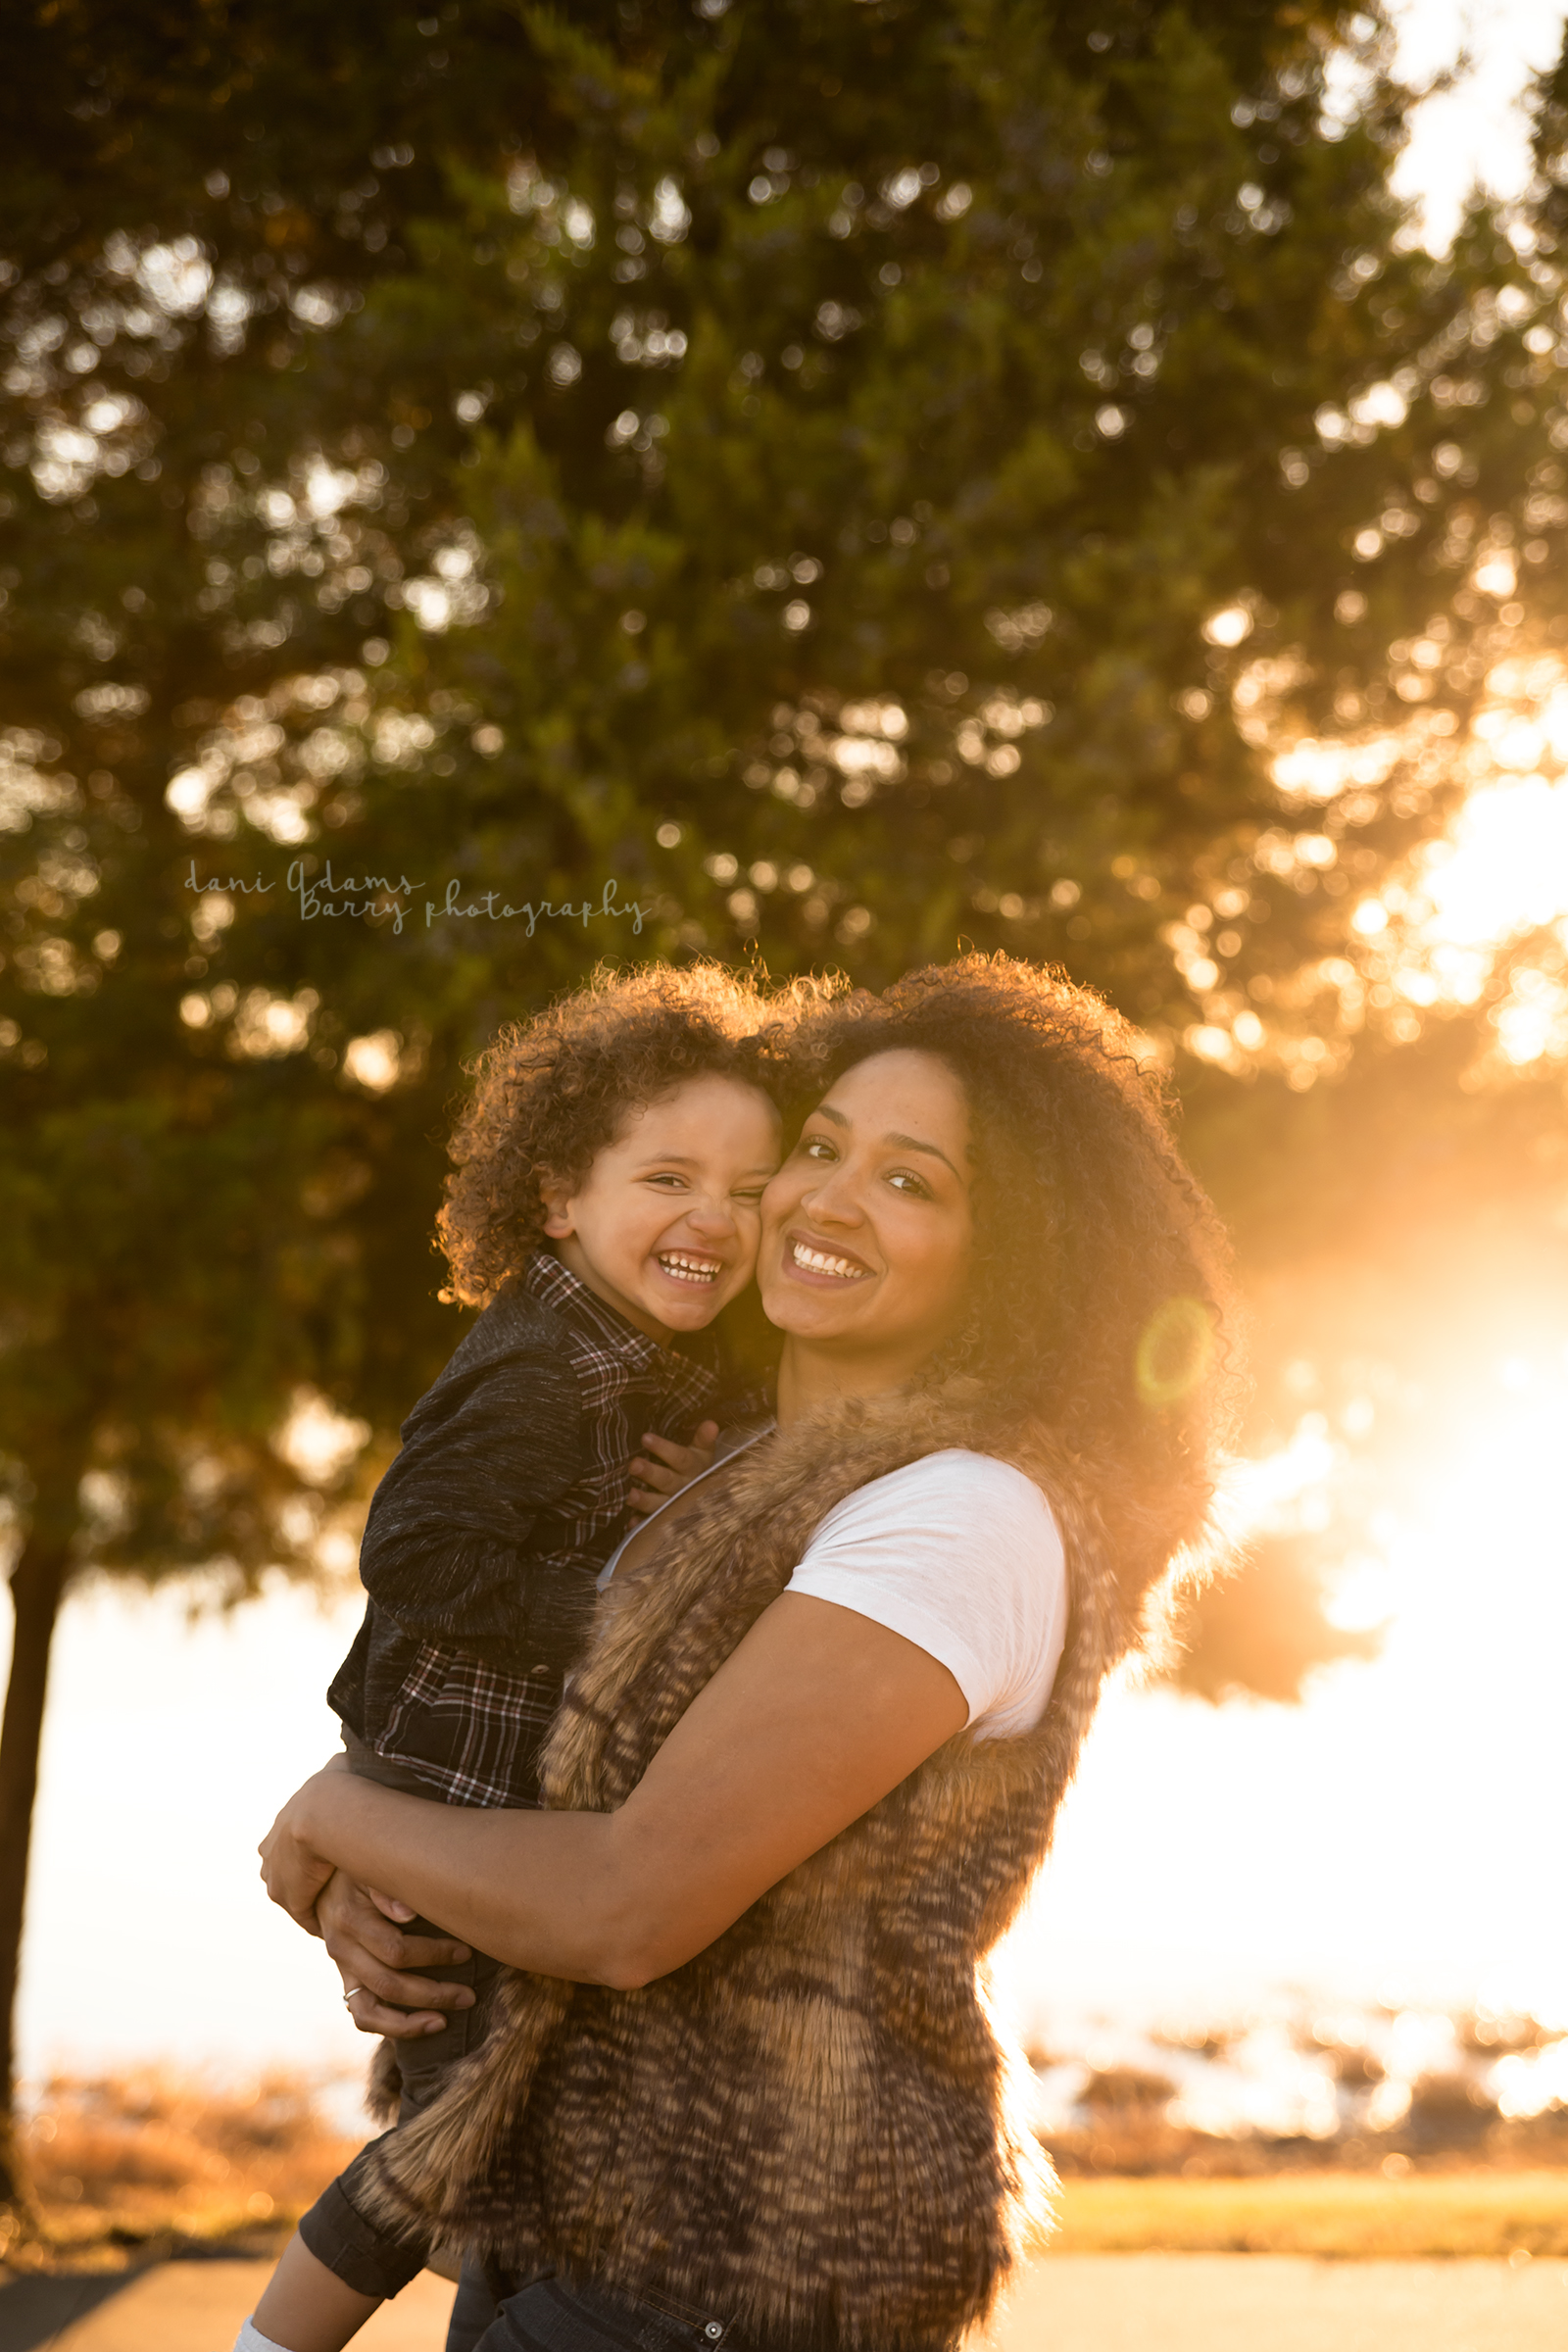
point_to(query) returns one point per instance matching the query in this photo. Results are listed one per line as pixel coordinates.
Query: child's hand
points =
(663, 1467)
(390, 1907)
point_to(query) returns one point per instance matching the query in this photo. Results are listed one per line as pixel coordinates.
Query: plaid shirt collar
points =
(609, 1335)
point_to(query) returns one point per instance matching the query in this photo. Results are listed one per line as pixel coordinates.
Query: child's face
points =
(664, 1225)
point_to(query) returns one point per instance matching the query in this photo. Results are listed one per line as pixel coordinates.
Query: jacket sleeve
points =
(448, 1551)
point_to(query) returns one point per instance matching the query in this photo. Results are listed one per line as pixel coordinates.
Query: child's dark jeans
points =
(364, 2255)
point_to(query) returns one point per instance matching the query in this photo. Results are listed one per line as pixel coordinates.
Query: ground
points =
(1064, 2303)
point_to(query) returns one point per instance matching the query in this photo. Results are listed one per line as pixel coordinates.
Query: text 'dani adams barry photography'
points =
(376, 898)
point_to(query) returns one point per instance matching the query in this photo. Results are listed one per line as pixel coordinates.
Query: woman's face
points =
(868, 1227)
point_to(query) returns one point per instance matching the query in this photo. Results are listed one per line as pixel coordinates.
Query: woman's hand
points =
(663, 1467)
(360, 1929)
(293, 1870)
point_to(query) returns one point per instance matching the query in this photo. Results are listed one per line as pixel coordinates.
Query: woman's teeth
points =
(700, 1270)
(818, 1261)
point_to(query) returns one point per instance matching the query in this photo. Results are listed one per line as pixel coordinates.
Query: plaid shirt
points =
(469, 1713)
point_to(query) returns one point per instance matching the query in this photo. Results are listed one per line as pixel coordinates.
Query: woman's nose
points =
(834, 1200)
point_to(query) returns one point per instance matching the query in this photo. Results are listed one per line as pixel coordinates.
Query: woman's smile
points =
(818, 1261)
(868, 1229)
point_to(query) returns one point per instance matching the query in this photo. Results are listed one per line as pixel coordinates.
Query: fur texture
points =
(384, 2090)
(809, 2128)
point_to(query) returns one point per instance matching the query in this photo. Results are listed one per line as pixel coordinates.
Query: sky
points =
(1474, 131)
(1393, 1837)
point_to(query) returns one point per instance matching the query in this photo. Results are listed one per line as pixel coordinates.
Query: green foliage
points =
(781, 460)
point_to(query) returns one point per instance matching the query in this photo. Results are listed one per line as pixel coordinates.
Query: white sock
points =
(251, 2340)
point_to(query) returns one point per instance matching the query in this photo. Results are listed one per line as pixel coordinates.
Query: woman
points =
(746, 2081)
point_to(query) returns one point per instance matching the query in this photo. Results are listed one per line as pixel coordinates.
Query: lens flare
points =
(1174, 1352)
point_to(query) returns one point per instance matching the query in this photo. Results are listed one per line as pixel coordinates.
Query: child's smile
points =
(664, 1225)
(703, 1271)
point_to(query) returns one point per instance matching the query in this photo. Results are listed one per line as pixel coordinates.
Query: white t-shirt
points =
(958, 1553)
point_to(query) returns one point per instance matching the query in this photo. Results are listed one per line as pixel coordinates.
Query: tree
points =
(852, 478)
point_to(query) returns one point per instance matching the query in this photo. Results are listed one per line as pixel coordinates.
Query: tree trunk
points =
(37, 1585)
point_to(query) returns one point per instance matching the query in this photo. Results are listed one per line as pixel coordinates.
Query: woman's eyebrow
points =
(912, 1143)
(904, 1142)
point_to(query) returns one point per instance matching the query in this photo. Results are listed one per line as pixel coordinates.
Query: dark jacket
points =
(486, 1534)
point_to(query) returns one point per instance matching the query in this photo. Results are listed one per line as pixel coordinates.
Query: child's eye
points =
(750, 1193)
(668, 1178)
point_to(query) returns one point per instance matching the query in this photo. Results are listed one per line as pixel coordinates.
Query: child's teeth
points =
(691, 1269)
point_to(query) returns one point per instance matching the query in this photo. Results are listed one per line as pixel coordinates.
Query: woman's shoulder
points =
(959, 1472)
(960, 1493)
(959, 1552)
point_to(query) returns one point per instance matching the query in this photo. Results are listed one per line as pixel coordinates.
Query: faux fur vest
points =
(810, 2129)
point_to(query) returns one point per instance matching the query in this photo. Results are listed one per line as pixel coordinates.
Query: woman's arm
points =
(816, 1716)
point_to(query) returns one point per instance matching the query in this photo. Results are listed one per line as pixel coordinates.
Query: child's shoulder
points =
(515, 1326)
(516, 1310)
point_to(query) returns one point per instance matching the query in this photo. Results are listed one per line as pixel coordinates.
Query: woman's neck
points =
(810, 1379)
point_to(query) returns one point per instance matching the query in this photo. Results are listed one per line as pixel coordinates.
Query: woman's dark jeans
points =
(548, 2315)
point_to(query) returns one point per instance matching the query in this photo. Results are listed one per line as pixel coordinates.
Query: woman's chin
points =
(805, 1311)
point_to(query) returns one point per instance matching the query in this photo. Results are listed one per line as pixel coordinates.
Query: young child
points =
(604, 1208)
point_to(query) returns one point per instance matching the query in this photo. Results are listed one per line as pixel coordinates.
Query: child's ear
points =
(558, 1205)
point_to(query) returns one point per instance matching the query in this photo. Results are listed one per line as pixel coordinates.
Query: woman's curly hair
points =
(1101, 1306)
(550, 1092)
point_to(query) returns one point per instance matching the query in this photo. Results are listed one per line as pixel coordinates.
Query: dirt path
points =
(1284, 2303)
(1066, 2303)
(189, 2307)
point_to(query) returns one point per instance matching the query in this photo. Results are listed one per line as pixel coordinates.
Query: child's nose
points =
(711, 1217)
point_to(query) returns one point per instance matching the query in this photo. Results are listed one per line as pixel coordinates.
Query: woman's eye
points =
(905, 1181)
(816, 1147)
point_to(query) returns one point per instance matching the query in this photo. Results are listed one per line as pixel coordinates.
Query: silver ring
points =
(352, 1990)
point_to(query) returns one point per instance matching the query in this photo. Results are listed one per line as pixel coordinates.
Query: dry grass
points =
(129, 2160)
(1333, 2212)
(127, 2166)
(1140, 2140)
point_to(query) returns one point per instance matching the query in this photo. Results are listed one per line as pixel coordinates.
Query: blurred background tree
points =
(863, 478)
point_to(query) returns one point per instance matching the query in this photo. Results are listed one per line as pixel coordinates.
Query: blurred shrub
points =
(152, 2152)
(1118, 2089)
(1447, 2111)
(1262, 1629)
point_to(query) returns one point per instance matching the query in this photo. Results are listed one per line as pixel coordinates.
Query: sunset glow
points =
(686, 555)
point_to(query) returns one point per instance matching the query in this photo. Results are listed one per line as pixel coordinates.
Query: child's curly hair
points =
(1101, 1304)
(550, 1092)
